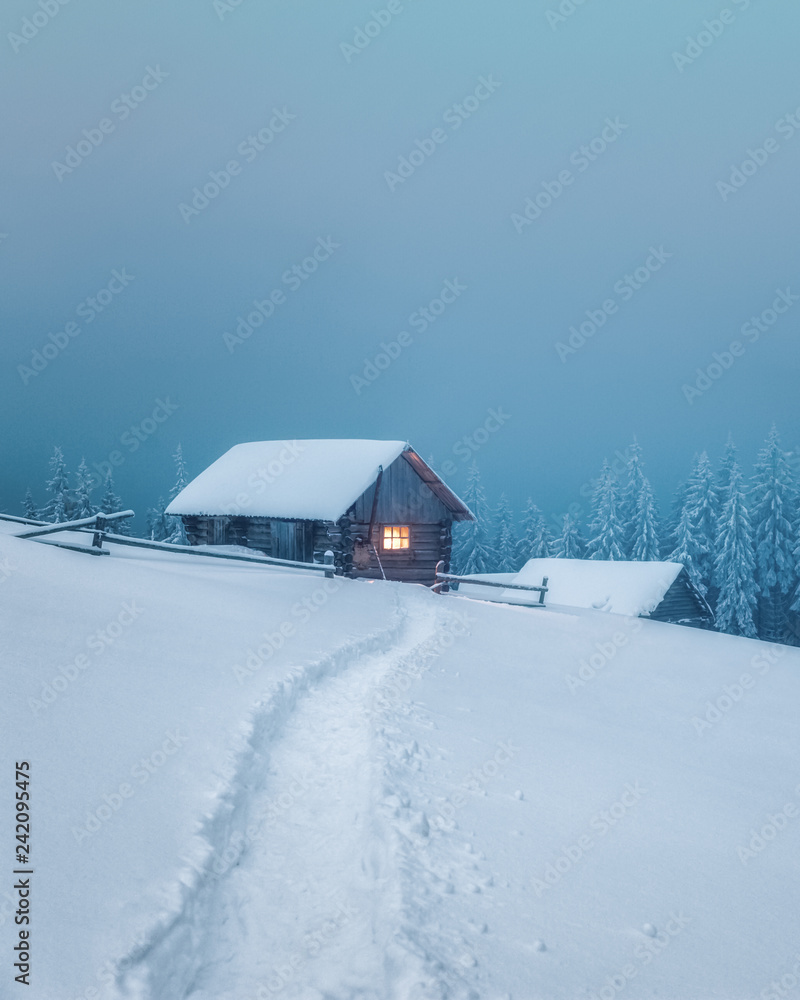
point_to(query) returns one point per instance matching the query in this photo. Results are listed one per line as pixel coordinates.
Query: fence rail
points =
(96, 525)
(444, 579)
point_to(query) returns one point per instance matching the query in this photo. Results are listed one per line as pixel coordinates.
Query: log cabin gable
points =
(403, 498)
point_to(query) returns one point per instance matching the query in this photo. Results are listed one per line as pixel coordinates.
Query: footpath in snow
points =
(344, 790)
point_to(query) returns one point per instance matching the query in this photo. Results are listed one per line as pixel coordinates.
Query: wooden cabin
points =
(660, 591)
(377, 505)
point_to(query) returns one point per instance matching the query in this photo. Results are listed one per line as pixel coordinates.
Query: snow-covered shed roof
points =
(314, 480)
(626, 588)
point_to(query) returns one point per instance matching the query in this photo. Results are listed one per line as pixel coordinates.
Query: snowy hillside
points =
(249, 782)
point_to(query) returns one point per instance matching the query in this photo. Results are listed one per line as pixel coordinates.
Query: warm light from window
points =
(395, 537)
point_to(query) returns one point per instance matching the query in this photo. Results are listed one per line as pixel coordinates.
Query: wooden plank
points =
(72, 547)
(491, 583)
(191, 550)
(83, 522)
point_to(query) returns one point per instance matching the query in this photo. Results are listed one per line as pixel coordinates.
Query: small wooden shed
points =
(377, 505)
(661, 591)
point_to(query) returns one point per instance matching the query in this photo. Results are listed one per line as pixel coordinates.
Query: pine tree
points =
(773, 512)
(726, 465)
(629, 497)
(112, 504)
(84, 485)
(735, 564)
(505, 541)
(176, 534)
(159, 527)
(687, 550)
(29, 508)
(606, 536)
(644, 542)
(695, 537)
(471, 551)
(570, 543)
(673, 519)
(60, 504)
(536, 541)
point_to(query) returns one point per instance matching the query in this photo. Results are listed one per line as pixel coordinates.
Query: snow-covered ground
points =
(250, 782)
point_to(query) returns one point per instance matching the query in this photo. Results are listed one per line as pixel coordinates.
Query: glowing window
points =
(395, 536)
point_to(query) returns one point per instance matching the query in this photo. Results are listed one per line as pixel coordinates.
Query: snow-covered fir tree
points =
(773, 512)
(505, 538)
(176, 534)
(29, 508)
(536, 541)
(110, 503)
(726, 465)
(629, 496)
(471, 547)
(159, 526)
(644, 542)
(687, 551)
(570, 543)
(699, 518)
(735, 564)
(84, 484)
(606, 538)
(59, 504)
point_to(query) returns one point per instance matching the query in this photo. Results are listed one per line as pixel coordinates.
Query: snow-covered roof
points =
(626, 588)
(304, 480)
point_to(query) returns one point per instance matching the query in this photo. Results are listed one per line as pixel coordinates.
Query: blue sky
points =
(620, 129)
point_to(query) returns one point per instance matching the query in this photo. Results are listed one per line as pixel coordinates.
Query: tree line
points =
(738, 537)
(70, 497)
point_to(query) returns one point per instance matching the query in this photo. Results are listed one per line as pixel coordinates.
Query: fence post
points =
(99, 532)
(328, 560)
(543, 591)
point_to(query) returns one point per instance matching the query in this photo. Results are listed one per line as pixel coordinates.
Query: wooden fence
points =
(443, 581)
(97, 526)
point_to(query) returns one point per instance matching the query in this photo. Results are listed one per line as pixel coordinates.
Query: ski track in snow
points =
(309, 888)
